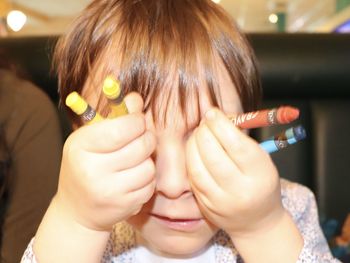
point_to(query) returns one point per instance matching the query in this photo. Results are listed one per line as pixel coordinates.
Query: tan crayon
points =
(268, 117)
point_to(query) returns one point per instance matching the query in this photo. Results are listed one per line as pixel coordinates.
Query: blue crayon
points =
(282, 140)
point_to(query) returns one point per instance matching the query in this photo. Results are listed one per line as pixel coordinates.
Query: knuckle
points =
(111, 134)
(127, 127)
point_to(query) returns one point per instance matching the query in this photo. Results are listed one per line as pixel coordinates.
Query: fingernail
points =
(210, 114)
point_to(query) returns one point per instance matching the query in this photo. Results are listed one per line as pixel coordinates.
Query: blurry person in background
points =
(30, 154)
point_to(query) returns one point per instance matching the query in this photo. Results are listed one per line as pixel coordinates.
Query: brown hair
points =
(155, 47)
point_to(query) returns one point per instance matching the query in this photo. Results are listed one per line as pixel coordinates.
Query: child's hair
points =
(157, 47)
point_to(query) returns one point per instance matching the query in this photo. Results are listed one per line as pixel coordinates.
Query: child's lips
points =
(176, 218)
(177, 223)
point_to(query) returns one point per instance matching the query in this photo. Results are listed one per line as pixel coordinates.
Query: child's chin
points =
(171, 242)
(178, 246)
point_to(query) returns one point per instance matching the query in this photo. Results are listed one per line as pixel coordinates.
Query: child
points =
(174, 180)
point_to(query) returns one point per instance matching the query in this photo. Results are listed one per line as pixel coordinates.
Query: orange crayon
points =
(268, 117)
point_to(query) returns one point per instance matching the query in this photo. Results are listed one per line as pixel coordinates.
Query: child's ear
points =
(134, 102)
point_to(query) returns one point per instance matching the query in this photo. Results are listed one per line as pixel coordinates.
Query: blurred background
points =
(51, 17)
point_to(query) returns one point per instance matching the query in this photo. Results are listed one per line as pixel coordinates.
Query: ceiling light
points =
(16, 20)
(216, 1)
(273, 18)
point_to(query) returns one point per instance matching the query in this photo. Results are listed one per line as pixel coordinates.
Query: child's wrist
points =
(265, 225)
(70, 216)
(277, 239)
(60, 238)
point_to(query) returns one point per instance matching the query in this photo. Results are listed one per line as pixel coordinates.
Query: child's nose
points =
(172, 180)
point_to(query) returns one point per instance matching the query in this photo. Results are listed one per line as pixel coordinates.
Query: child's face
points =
(171, 223)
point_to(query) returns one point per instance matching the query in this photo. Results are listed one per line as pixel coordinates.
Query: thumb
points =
(134, 102)
(109, 135)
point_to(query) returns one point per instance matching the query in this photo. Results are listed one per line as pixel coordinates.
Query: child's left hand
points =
(234, 180)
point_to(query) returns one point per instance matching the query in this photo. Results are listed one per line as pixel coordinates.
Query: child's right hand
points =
(106, 171)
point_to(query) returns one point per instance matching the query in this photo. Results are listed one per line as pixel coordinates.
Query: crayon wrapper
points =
(118, 110)
(90, 116)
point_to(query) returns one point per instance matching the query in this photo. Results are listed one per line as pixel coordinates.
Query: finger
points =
(128, 156)
(206, 203)
(242, 149)
(135, 178)
(108, 135)
(134, 102)
(199, 176)
(144, 194)
(215, 158)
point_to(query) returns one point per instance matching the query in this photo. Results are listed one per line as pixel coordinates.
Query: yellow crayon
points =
(82, 108)
(112, 91)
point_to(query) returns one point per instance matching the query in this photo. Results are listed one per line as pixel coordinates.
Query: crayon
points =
(112, 91)
(268, 117)
(82, 108)
(283, 139)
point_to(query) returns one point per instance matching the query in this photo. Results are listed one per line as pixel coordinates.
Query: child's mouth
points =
(179, 224)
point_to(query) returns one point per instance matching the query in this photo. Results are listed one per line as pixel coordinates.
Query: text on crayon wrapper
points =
(89, 114)
(240, 119)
